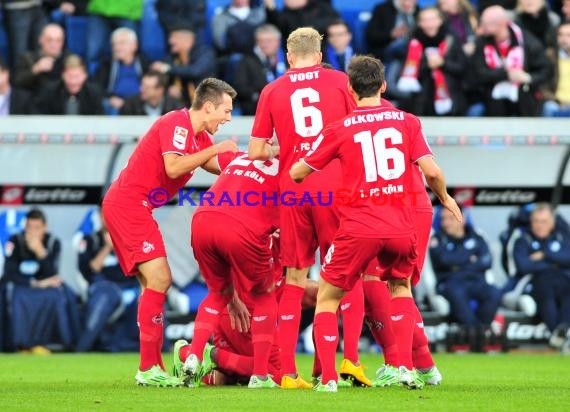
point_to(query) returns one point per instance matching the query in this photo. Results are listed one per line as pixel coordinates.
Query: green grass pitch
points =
(102, 382)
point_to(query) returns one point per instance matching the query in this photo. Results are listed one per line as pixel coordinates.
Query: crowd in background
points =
(447, 58)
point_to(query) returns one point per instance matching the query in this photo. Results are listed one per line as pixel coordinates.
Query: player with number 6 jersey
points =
(240, 259)
(377, 146)
(296, 107)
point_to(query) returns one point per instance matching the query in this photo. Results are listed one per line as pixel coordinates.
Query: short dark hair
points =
(161, 79)
(366, 75)
(339, 22)
(212, 90)
(36, 214)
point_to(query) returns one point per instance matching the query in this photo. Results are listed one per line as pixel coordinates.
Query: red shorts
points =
(240, 343)
(135, 235)
(304, 229)
(349, 256)
(228, 252)
(422, 223)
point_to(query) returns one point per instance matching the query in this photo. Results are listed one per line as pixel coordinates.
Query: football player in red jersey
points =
(376, 146)
(296, 107)
(165, 158)
(231, 240)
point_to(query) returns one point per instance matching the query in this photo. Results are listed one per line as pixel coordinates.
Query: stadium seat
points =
(76, 34)
(152, 38)
(4, 50)
(358, 32)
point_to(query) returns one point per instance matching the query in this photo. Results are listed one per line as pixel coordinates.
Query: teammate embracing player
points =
(376, 146)
(163, 161)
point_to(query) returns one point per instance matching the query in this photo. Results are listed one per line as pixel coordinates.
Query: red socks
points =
(231, 362)
(151, 328)
(420, 348)
(289, 317)
(352, 310)
(378, 303)
(262, 327)
(403, 322)
(206, 321)
(326, 337)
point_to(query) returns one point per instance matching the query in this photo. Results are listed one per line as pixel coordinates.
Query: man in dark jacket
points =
(35, 69)
(510, 64)
(544, 252)
(43, 309)
(152, 99)
(72, 95)
(460, 258)
(189, 63)
(12, 100)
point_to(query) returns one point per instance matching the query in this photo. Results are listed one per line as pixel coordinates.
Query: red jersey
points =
(376, 147)
(171, 133)
(246, 190)
(297, 106)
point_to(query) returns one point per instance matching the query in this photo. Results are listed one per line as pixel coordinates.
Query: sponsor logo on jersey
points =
(287, 317)
(259, 318)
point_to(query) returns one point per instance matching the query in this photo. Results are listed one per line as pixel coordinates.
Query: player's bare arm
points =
(261, 149)
(299, 171)
(176, 165)
(436, 182)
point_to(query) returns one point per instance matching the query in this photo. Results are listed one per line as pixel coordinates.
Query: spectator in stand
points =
(544, 252)
(557, 92)
(433, 69)
(233, 29)
(104, 16)
(460, 257)
(461, 19)
(257, 69)
(12, 100)
(565, 10)
(72, 94)
(510, 64)
(24, 20)
(338, 49)
(173, 13)
(43, 310)
(152, 99)
(120, 76)
(300, 13)
(111, 297)
(35, 69)
(535, 17)
(388, 30)
(189, 63)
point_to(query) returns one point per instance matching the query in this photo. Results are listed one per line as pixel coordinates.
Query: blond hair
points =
(304, 41)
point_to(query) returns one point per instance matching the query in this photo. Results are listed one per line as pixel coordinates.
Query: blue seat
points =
(357, 5)
(152, 39)
(4, 49)
(76, 34)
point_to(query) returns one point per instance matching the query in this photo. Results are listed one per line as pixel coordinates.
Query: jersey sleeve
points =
(419, 146)
(173, 138)
(263, 121)
(225, 158)
(324, 149)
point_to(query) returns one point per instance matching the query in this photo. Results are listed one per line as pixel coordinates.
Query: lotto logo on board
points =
(12, 195)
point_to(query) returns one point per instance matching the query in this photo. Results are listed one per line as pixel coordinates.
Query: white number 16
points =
(377, 156)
